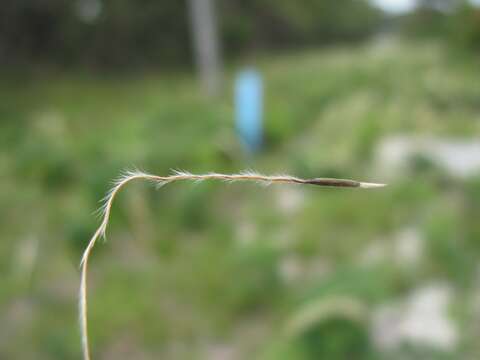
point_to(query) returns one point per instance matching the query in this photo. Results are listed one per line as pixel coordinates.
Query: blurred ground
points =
(215, 271)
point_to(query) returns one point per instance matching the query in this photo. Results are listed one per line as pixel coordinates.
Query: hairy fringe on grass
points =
(160, 181)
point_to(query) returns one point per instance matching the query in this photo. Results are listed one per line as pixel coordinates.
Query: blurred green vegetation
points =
(127, 34)
(190, 270)
(456, 22)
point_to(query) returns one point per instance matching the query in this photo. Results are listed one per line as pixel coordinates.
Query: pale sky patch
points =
(395, 6)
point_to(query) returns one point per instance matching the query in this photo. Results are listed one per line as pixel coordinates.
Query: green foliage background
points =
(132, 34)
(190, 268)
(215, 270)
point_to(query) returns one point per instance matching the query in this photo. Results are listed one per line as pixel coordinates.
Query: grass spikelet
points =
(159, 181)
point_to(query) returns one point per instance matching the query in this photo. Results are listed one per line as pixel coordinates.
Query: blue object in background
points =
(249, 109)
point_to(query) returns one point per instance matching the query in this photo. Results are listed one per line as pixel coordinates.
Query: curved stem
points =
(163, 180)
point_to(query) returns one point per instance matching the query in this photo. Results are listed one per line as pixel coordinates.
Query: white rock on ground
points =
(459, 157)
(420, 319)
